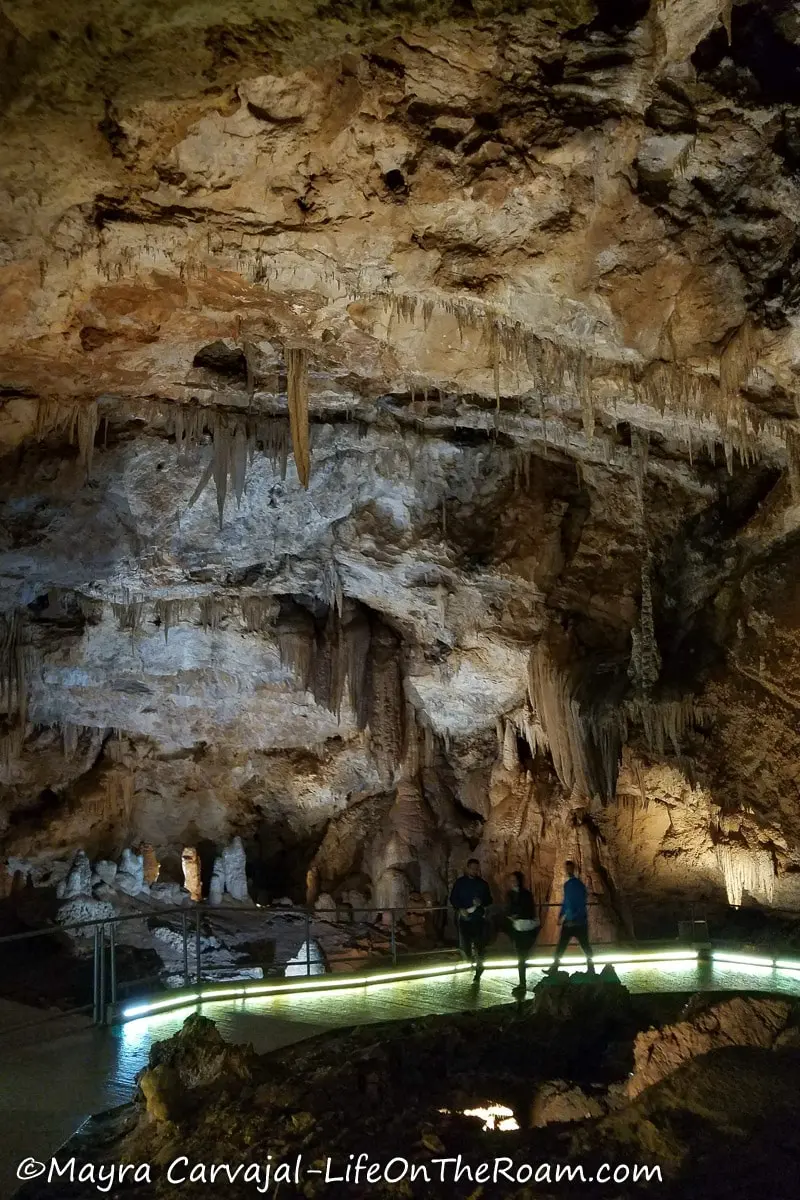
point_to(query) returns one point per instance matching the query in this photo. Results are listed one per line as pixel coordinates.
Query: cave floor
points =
(54, 1077)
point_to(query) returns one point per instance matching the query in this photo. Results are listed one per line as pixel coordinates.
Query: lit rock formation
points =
(399, 445)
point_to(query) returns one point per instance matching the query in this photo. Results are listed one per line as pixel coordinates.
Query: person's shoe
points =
(551, 970)
(478, 973)
(519, 991)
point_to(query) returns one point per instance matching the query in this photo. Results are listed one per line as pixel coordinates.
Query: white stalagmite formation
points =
(746, 870)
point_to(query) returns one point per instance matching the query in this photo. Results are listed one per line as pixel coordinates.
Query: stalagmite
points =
(234, 864)
(130, 875)
(78, 881)
(297, 391)
(190, 864)
(746, 870)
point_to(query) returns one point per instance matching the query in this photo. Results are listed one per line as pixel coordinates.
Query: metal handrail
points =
(106, 985)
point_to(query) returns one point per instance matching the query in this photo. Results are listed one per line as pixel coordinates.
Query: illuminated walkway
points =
(49, 1085)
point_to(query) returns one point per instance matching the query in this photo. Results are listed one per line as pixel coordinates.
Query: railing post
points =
(197, 948)
(308, 943)
(394, 939)
(112, 950)
(102, 1020)
(185, 933)
(96, 977)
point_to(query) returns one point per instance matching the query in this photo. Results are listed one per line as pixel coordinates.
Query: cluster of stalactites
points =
(235, 439)
(256, 612)
(235, 436)
(13, 687)
(553, 696)
(77, 419)
(585, 741)
(350, 652)
(522, 725)
(746, 870)
(711, 400)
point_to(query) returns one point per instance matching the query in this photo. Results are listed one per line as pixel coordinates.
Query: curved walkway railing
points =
(403, 944)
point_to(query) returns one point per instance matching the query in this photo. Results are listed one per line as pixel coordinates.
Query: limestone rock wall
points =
(398, 443)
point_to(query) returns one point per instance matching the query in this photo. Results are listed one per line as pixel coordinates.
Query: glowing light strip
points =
(785, 964)
(318, 983)
(746, 960)
(151, 1006)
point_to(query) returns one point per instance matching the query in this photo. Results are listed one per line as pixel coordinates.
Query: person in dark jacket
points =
(521, 913)
(573, 919)
(470, 898)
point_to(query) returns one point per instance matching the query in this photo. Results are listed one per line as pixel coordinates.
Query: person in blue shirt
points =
(573, 919)
(470, 898)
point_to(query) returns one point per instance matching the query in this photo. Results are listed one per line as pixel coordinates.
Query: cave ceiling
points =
(481, 318)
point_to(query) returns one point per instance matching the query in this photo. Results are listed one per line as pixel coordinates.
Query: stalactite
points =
(129, 613)
(645, 664)
(793, 460)
(357, 637)
(13, 666)
(552, 697)
(170, 613)
(259, 613)
(510, 753)
(329, 667)
(297, 391)
(213, 609)
(583, 383)
(296, 641)
(746, 870)
(386, 702)
(12, 740)
(665, 722)
(77, 418)
(664, 386)
(91, 609)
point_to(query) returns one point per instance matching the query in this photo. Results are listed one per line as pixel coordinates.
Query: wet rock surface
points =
(405, 1088)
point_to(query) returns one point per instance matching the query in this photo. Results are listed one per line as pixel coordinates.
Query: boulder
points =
(84, 908)
(557, 1101)
(325, 903)
(309, 960)
(582, 996)
(742, 1021)
(198, 1055)
(169, 893)
(162, 1093)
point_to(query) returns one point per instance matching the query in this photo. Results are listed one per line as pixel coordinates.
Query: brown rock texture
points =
(398, 444)
(742, 1021)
